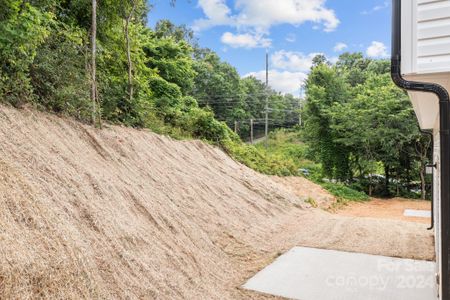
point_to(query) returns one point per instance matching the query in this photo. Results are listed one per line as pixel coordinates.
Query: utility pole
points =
(251, 131)
(235, 126)
(300, 103)
(266, 131)
(93, 61)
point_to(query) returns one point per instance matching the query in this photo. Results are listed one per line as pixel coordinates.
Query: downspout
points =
(444, 132)
(430, 134)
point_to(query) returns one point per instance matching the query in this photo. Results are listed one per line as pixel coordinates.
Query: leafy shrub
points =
(259, 160)
(23, 28)
(205, 126)
(58, 75)
(166, 97)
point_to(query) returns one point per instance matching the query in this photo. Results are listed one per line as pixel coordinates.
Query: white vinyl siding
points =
(426, 36)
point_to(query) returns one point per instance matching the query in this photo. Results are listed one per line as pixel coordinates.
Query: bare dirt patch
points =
(386, 209)
(307, 190)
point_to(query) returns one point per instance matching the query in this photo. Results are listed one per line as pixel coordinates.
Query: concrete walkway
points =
(417, 213)
(317, 274)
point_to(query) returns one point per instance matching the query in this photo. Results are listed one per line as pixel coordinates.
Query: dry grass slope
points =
(123, 213)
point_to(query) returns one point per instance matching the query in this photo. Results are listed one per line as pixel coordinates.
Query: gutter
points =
(444, 132)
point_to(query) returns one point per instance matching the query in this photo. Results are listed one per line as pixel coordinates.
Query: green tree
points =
(172, 60)
(218, 86)
(23, 28)
(325, 89)
(377, 125)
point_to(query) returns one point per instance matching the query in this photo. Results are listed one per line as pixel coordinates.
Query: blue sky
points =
(292, 31)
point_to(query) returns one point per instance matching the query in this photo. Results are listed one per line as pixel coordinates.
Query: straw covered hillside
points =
(125, 213)
(120, 212)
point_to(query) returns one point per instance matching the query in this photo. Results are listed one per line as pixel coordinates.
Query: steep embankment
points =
(120, 212)
(124, 213)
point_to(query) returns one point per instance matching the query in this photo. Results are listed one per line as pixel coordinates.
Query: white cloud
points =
(282, 81)
(333, 59)
(288, 70)
(217, 13)
(261, 15)
(376, 8)
(291, 38)
(377, 50)
(245, 40)
(340, 47)
(292, 61)
(266, 13)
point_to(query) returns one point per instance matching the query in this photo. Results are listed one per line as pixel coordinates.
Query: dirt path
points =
(386, 209)
(319, 229)
(375, 227)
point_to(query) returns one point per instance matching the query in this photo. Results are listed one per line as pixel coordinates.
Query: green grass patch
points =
(261, 161)
(344, 192)
(284, 155)
(286, 145)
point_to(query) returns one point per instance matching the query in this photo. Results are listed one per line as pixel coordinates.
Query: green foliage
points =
(288, 146)
(205, 126)
(356, 119)
(325, 89)
(261, 161)
(58, 76)
(219, 86)
(23, 28)
(172, 60)
(344, 192)
(165, 28)
(45, 59)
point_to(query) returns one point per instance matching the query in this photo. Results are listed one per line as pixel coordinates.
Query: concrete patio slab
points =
(317, 274)
(417, 213)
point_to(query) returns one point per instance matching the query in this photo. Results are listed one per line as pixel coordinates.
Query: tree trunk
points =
(130, 63)
(423, 182)
(93, 61)
(386, 181)
(397, 184)
(360, 169)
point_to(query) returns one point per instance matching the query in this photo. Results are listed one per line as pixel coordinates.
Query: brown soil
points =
(124, 213)
(386, 209)
(307, 191)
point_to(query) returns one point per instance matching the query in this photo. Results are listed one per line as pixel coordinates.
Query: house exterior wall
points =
(425, 57)
(426, 107)
(425, 36)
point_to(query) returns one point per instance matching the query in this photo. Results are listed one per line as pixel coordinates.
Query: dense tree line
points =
(359, 124)
(101, 61)
(98, 60)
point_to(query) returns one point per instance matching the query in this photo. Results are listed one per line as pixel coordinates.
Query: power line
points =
(230, 100)
(248, 102)
(266, 129)
(237, 95)
(260, 94)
